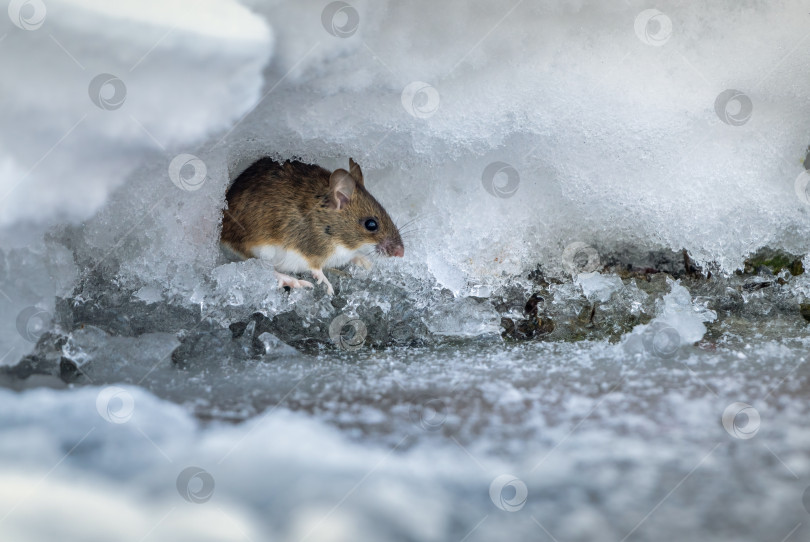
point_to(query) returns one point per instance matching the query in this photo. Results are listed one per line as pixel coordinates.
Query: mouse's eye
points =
(371, 224)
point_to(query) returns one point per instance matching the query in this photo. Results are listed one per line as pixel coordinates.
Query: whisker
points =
(415, 219)
(408, 232)
(406, 224)
(413, 227)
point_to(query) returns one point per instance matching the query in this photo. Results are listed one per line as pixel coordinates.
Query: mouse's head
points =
(359, 218)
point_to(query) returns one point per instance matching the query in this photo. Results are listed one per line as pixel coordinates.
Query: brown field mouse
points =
(303, 217)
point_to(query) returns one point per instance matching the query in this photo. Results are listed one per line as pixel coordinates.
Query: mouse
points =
(302, 217)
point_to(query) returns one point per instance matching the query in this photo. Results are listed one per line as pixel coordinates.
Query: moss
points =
(775, 261)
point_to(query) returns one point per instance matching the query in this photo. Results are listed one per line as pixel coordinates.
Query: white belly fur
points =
(291, 261)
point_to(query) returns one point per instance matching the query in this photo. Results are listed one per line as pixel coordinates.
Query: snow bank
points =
(606, 132)
(556, 123)
(98, 88)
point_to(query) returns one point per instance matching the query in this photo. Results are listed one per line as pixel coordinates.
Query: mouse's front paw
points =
(362, 261)
(321, 278)
(292, 282)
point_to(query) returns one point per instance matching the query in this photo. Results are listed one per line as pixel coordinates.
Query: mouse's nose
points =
(391, 247)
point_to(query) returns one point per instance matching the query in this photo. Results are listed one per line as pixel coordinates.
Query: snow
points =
(680, 322)
(67, 143)
(596, 286)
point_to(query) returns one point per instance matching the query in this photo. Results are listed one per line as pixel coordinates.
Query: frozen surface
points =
(404, 445)
(583, 312)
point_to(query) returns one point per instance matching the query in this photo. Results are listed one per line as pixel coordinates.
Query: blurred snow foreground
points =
(610, 211)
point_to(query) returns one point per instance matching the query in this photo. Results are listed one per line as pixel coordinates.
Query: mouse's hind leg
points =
(321, 278)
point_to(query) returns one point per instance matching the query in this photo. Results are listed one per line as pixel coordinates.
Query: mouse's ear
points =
(341, 188)
(355, 172)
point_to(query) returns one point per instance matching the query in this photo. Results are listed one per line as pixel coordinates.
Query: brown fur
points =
(305, 208)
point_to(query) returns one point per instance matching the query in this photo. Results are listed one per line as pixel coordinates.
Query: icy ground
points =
(404, 445)
(599, 330)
